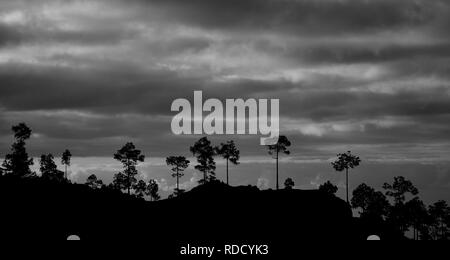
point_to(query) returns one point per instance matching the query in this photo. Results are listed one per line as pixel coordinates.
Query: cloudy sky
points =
(371, 76)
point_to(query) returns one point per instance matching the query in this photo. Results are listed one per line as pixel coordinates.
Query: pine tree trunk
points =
(414, 232)
(227, 173)
(278, 186)
(129, 183)
(346, 177)
(129, 179)
(178, 182)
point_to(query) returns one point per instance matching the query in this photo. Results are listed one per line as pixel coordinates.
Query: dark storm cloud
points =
(9, 35)
(17, 35)
(372, 134)
(423, 66)
(303, 16)
(114, 90)
(329, 105)
(351, 54)
(86, 134)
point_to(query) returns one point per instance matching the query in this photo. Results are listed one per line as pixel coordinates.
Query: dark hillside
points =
(38, 210)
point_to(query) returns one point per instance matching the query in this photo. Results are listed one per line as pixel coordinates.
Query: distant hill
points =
(36, 210)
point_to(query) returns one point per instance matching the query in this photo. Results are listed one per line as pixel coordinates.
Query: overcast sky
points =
(371, 76)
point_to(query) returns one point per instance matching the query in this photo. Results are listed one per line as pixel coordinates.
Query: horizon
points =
(305, 179)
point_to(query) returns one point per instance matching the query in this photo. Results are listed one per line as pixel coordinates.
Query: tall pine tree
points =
(129, 156)
(204, 153)
(17, 163)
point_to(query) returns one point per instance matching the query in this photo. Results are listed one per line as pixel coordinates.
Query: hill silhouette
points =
(40, 210)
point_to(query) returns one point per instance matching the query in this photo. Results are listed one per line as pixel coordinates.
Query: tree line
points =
(393, 208)
(18, 164)
(432, 222)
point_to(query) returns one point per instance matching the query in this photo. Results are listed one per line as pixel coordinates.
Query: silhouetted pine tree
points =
(140, 188)
(289, 184)
(230, 153)
(418, 217)
(49, 170)
(65, 160)
(345, 162)
(329, 188)
(178, 164)
(440, 217)
(152, 190)
(280, 147)
(204, 153)
(129, 156)
(373, 204)
(93, 182)
(398, 214)
(17, 163)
